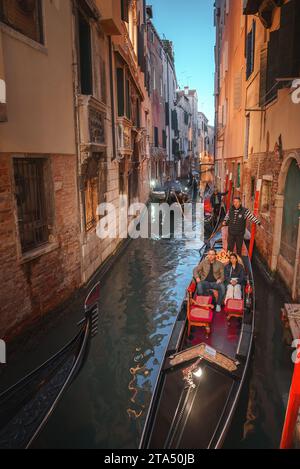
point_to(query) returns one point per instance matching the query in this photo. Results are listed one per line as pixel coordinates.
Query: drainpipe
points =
(112, 95)
(294, 290)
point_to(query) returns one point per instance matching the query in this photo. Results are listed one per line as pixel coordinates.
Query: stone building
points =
(184, 113)
(193, 150)
(257, 120)
(75, 118)
(113, 113)
(172, 130)
(156, 89)
(39, 206)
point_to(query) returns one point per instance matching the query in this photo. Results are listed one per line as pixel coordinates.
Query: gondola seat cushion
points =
(199, 314)
(235, 306)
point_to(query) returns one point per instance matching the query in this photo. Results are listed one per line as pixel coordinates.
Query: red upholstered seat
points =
(235, 306)
(201, 315)
(198, 314)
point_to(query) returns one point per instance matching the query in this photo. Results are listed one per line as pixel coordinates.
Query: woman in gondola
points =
(234, 278)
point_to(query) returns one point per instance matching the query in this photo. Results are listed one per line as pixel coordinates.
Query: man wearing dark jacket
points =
(236, 220)
(216, 200)
(209, 274)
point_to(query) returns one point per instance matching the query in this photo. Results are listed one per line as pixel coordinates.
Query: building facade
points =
(39, 206)
(156, 89)
(257, 116)
(184, 113)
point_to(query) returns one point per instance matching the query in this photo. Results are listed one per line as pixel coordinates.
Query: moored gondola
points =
(204, 369)
(26, 407)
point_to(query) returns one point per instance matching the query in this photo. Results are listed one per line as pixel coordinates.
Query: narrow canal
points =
(140, 296)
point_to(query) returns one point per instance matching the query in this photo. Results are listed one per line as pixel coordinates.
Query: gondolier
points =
(216, 201)
(236, 219)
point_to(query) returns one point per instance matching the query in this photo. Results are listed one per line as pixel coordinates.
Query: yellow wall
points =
(40, 86)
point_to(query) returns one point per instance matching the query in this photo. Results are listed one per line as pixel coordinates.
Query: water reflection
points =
(140, 299)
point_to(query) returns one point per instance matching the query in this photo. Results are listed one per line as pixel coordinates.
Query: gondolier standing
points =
(216, 201)
(236, 219)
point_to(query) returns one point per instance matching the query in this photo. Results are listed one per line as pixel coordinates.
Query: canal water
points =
(140, 299)
(140, 296)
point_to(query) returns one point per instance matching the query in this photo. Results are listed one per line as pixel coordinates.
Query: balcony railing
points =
(92, 115)
(124, 129)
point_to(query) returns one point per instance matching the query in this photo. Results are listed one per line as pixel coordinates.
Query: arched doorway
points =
(291, 213)
(285, 251)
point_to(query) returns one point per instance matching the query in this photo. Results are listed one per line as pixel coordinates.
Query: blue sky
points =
(189, 24)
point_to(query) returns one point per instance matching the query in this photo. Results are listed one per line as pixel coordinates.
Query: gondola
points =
(26, 407)
(203, 374)
(172, 192)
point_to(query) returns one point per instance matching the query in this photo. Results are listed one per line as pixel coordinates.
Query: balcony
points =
(124, 129)
(158, 152)
(111, 17)
(92, 115)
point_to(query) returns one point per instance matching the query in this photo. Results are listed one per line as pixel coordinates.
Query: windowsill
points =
(38, 252)
(22, 38)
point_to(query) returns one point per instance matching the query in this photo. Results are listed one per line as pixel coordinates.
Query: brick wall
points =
(32, 288)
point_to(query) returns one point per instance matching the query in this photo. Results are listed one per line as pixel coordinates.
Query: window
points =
(174, 121)
(125, 10)
(253, 188)
(31, 202)
(138, 114)
(247, 137)
(122, 175)
(128, 100)
(85, 55)
(95, 187)
(24, 16)
(289, 41)
(156, 142)
(164, 139)
(238, 177)
(167, 109)
(103, 80)
(250, 51)
(120, 92)
(91, 202)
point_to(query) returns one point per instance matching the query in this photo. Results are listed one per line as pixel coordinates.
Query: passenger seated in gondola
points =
(234, 278)
(209, 275)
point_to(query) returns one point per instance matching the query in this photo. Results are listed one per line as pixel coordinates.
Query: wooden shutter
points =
(125, 10)
(238, 91)
(120, 89)
(272, 66)
(263, 75)
(289, 40)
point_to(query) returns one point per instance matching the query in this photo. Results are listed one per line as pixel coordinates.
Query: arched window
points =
(291, 213)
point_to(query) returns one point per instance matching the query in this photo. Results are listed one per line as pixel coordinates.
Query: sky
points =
(189, 24)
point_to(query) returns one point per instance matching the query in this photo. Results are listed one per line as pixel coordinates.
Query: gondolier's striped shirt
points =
(247, 216)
